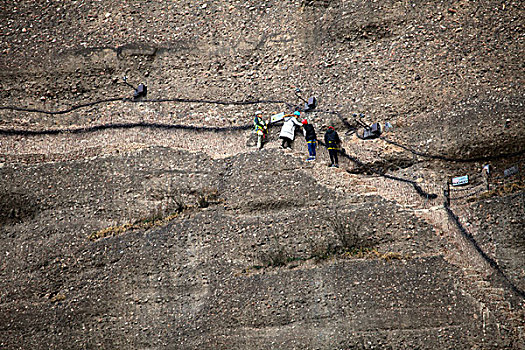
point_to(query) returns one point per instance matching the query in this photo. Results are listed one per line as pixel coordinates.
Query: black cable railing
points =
(482, 253)
(451, 159)
(102, 127)
(124, 99)
(343, 153)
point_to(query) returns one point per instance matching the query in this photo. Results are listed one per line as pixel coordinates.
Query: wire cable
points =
(68, 110)
(450, 159)
(351, 128)
(484, 255)
(479, 190)
(343, 153)
(122, 126)
(414, 184)
(124, 99)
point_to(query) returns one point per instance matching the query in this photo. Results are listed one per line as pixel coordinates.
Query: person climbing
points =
(332, 142)
(311, 139)
(288, 129)
(261, 128)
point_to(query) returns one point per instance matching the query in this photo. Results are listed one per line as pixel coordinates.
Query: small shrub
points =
(348, 240)
(57, 297)
(323, 249)
(109, 232)
(276, 258)
(175, 201)
(360, 253)
(349, 231)
(178, 204)
(392, 256)
(207, 196)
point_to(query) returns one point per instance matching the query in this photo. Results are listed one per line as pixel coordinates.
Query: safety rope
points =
(216, 102)
(414, 184)
(349, 127)
(124, 99)
(122, 126)
(452, 189)
(450, 159)
(468, 194)
(70, 109)
(352, 128)
(484, 255)
(343, 153)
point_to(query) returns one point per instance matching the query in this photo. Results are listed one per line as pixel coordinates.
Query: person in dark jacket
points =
(332, 142)
(311, 139)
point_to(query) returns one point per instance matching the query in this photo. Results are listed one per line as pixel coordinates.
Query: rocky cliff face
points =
(157, 224)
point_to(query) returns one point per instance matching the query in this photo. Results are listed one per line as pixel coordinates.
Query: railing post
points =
(446, 193)
(486, 175)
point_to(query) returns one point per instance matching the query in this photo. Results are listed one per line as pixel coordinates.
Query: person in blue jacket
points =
(311, 139)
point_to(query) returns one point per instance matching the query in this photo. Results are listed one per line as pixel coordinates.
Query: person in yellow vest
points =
(332, 142)
(261, 128)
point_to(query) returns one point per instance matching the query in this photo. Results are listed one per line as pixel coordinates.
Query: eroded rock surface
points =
(157, 224)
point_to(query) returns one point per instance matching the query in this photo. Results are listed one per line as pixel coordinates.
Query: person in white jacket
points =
(288, 129)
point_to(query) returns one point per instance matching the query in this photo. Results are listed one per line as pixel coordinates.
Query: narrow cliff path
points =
(298, 192)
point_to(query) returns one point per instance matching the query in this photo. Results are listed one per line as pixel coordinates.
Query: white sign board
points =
(461, 180)
(276, 117)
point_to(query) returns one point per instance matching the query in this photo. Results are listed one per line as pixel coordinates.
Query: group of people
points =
(287, 135)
